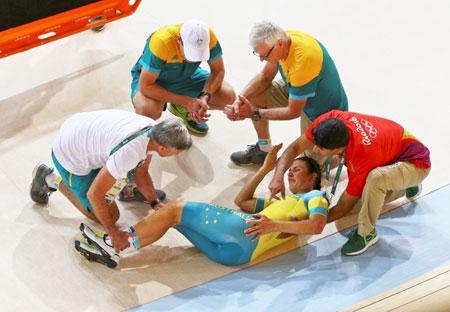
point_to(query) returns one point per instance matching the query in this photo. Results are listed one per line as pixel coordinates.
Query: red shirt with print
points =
(374, 142)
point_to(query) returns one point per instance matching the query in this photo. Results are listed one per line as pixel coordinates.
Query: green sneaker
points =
(413, 192)
(357, 244)
(195, 128)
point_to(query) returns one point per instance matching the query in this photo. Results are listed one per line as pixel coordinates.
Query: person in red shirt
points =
(384, 162)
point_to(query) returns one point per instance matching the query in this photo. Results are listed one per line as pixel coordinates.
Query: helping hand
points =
(245, 109)
(198, 109)
(232, 110)
(119, 240)
(271, 158)
(277, 186)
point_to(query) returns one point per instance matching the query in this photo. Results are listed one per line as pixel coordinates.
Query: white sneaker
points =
(98, 239)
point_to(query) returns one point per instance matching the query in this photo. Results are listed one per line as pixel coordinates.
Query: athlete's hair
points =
(331, 133)
(173, 133)
(313, 167)
(266, 32)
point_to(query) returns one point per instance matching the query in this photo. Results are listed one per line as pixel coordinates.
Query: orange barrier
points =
(42, 31)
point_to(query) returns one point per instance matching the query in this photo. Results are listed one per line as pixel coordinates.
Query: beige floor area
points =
(392, 58)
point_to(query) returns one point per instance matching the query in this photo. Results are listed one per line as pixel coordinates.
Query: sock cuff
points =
(134, 238)
(264, 142)
(136, 242)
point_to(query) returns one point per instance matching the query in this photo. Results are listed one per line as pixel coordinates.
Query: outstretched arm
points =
(96, 195)
(245, 200)
(292, 111)
(287, 158)
(145, 183)
(344, 205)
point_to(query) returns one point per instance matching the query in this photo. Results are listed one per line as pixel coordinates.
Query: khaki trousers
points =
(278, 96)
(383, 185)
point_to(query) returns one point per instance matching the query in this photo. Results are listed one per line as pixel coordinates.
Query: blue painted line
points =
(414, 240)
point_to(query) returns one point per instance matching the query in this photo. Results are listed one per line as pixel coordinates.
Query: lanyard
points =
(338, 173)
(131, 138)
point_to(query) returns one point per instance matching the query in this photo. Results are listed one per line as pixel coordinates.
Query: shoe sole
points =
(178, 114)
(92, 238)
(83, 249)
(246, 164)
(369, 244)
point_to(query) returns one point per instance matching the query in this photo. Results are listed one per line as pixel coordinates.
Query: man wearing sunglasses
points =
(310, 86)
(169, 71)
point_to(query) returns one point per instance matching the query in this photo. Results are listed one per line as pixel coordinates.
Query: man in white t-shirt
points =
(94, 151)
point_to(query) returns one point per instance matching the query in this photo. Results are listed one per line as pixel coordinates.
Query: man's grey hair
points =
(173, 133)
(267, 32)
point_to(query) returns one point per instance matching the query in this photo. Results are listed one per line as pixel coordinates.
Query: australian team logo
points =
(366, 129)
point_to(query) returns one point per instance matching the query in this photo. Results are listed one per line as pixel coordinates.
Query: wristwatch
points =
(205, 93)
(256, 116)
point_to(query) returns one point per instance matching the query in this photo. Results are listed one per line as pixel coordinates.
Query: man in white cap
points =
(169, 71)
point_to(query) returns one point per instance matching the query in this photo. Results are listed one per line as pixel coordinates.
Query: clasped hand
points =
(119, 240)
(240, 109)
(198, 109)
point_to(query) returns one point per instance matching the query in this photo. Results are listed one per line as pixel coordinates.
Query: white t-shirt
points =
(86, 140)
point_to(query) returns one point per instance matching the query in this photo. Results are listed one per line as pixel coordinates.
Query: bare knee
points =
(228, 93)
(259, 100)
(175, 210)
(147, 107)
(224, 96)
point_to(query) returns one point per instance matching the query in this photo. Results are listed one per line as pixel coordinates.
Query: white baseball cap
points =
(195, 37)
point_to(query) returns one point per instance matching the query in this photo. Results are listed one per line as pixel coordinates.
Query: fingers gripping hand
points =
(120, 240)
(232, 110)
(198, 109)
(261, 226)
(245, 109)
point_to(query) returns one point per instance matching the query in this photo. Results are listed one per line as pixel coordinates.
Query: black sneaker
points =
(252, 155)
(131, 193)
(39, 190)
